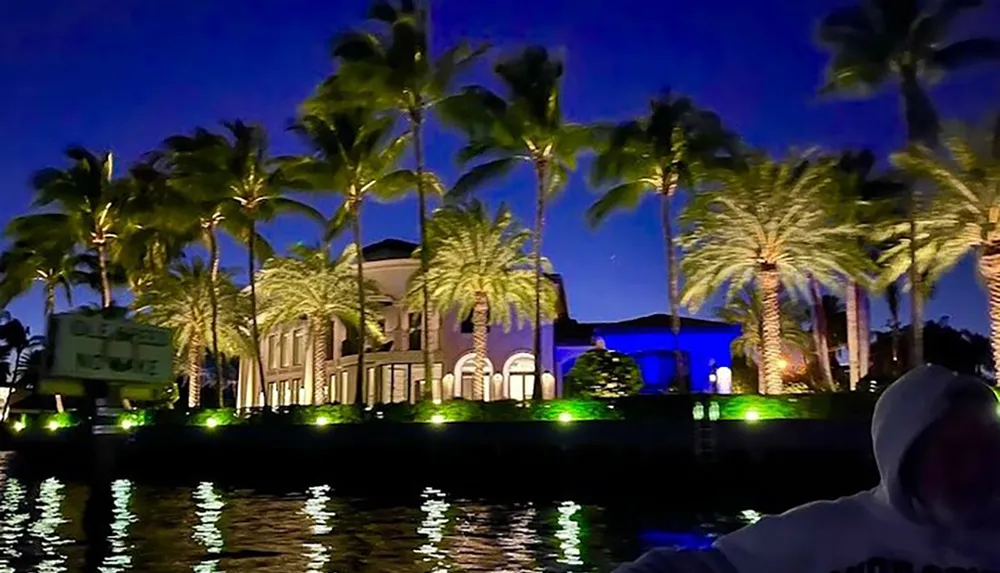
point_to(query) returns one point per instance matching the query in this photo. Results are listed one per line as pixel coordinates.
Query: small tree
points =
(601, 373)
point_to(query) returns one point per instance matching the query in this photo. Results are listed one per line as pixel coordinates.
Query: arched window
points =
(465, 376)
(519, 375)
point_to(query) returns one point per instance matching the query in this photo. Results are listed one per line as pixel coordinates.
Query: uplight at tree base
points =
(751, 416)
(127, 424)
(322, 421)
(18, 426)
(437, 419)
(211, 423)
(52, 425)
(565, 417)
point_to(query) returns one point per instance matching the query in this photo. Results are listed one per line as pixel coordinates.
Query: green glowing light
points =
(53, 425)
(437, 419)
(19, 426)
(322, 421)
(127, 424)
(751, 416)
(565, 417)
(698, 412)
(211, 423)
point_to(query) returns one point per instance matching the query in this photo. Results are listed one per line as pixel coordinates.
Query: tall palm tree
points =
(479, 269)
(964, 216)
(89, 206)
(770, 225)
(656, 155)
(179, 300)
(311, 284)
(355, 154)
(230, 182)
(395, 71)
(746, 308)
(876, 42)
(19, 354)
(525, 126)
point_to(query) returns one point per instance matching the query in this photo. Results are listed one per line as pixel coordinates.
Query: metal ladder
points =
(705, 441)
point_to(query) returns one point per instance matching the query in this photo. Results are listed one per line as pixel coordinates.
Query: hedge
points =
(634, 408)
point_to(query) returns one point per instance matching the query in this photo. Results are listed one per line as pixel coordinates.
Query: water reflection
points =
(569, 534)
(45, 528)
(13, 518)
(432, 527)
(206, 531)
(120, 558)
(316, 508)
(519, 541)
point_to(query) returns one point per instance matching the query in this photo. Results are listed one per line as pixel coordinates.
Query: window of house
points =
(467, 386)
(350, 345)
(520, 377)
(467, 326)
(344, 387)
(416, 337)
(272, 351)
(395, 383)
(298, 347)
(286, 354)
(299, 389)
(372, 390)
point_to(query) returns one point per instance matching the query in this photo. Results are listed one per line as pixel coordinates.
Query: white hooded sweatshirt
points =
(876, 531)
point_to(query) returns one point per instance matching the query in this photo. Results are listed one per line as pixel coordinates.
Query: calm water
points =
(209, 528)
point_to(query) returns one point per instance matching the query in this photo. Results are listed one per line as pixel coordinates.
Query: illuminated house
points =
(394, 372)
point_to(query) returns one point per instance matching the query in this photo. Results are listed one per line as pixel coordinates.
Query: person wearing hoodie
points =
(936, 437)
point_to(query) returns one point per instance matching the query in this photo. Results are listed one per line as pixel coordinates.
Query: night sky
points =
(123, 74)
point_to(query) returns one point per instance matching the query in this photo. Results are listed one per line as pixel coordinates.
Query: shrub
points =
(600, 373)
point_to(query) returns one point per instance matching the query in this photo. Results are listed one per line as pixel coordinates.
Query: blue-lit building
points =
(703, 344)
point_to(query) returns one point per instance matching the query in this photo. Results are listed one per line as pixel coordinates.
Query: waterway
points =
(208, 527)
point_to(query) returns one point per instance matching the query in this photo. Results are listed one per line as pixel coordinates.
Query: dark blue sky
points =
(122, 74)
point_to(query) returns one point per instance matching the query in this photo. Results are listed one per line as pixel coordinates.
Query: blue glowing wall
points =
(652, 349)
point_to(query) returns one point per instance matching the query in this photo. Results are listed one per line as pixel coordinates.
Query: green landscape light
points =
(565, 417)
(437, 419)
(19, 426)
(211, 422)
(53, 425)
(322, 421)
(127, 424)
(698, 412)
(751, 416)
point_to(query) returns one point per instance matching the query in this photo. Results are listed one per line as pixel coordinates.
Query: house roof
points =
(387, 250)
(571, 332)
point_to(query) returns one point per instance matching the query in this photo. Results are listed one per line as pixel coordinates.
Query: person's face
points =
(960, 471)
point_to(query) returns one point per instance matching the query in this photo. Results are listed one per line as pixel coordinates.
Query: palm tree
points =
(395, 71)
(179, 300)
(479, 269)
(230, 182)
(50, 260)
(746, 308)
(309, 283)
(964, 216)
(19, 358)
(527, 126)
(354, 154)
(657, 155)
(875, 42)
(90, 207)
(772, 225)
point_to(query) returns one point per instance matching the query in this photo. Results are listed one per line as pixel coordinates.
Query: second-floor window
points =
(272, 351)
(286, 353)
(416, 331)
(467, 326)
(298, 348)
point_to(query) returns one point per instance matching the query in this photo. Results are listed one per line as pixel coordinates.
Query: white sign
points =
(85, 347)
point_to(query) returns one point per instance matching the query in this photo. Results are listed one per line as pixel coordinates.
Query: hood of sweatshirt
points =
(903, 412)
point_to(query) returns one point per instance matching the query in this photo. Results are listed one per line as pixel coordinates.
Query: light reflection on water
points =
(315, 530)
(206, 531)
(45, 529)
(316, 508)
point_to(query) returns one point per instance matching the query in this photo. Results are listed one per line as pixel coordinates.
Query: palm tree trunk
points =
(320, 395)
(820, 333)
(213, 299)
(673, 278)
(254, 327)
(359, 394)
(771, 329)
(194, 372)
(915, 108)
(50, 307)
(541, 173)
(989, 267)
(864, 333)
(479, 319)
(416, 120)
(852, 335)
(102, 267)
(892, 301)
